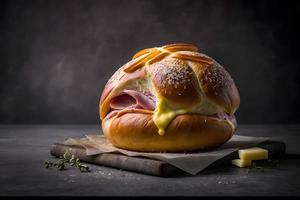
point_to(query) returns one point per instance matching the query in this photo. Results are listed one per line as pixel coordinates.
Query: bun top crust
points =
(175, 80)
(178, 76)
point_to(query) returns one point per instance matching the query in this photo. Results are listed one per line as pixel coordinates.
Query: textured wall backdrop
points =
(56, 56)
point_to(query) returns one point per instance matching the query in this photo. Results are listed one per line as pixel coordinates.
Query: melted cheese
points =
(164, 114)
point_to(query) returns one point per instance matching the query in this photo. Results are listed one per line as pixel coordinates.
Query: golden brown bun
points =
(185, 79)
(137, 132)
(175, 80)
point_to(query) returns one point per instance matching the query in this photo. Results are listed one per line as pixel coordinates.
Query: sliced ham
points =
(131, 99)
(118, 79)
(146, 102)
(122, 101)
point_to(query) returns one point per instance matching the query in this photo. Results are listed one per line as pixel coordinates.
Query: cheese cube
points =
(241, 163)
(254, 153)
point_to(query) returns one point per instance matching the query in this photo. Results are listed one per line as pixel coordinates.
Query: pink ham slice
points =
(131, 99)
(120, 78)
(122, 101)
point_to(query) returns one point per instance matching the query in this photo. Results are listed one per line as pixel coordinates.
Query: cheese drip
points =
(164, 114)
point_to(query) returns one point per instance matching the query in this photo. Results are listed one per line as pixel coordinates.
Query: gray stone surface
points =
(23, 148)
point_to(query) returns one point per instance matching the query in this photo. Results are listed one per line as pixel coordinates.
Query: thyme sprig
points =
(255, 168)
(67, 158)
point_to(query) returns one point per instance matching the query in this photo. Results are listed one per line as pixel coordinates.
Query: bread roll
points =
(169, 99)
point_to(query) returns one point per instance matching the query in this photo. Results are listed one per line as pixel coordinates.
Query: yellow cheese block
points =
(254, 153)
(241, 163)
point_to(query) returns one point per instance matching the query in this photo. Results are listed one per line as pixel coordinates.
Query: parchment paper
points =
(191, 163)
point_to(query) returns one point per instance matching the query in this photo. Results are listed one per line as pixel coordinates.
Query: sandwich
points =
(169, 99)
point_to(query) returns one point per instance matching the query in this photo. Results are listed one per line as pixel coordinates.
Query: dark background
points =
(56, 56)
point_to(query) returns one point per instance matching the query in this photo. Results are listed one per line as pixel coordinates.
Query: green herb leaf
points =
(255, 168)
(67, 158)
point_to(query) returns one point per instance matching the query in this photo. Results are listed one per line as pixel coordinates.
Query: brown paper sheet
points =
(191, 163)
